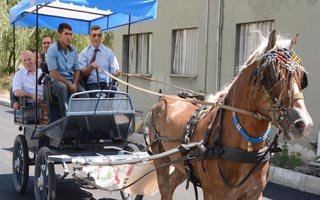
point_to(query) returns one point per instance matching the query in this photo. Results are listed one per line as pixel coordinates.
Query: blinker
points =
(304, 81)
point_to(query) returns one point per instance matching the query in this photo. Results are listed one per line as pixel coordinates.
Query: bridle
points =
(284, 58)
(268, 78)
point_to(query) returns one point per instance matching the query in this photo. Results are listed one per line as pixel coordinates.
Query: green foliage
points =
(287, 160)
(41, 32)
(5, 82)
(108, 39)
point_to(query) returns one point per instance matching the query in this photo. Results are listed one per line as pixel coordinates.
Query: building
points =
(199, 45)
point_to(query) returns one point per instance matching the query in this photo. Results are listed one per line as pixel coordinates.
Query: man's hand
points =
(72, 88)
(16, 106)
(93, 66)
(116, 73)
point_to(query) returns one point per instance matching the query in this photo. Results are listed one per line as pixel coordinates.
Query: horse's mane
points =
(282, 42)
(213, 98)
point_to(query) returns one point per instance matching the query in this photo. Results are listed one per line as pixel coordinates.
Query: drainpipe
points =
(220, 7)
(318, 149)
(206, 44)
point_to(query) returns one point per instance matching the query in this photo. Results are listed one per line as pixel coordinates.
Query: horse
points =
(231, 157)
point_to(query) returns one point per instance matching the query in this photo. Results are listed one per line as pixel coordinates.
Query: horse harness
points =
(215, 151)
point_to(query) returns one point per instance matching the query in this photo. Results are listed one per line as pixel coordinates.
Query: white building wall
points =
(290, 16)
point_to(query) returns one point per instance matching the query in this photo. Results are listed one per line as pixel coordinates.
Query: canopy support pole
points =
(128, 53)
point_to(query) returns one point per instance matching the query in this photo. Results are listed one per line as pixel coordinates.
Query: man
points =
(46, 43)
(24, 80)
(63, 67)
(94, 64)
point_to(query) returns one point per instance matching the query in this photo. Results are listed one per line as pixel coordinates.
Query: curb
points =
(285, 177)
(5, 102)
(296, 180)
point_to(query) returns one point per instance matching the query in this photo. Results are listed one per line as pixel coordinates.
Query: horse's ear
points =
(272, 40)
(294, 41)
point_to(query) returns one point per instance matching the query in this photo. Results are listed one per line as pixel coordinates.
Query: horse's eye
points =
(304, 81)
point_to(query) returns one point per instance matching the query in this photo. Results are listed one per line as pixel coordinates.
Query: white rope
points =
(215, 104)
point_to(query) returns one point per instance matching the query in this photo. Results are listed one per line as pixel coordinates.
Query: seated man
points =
(24, 85)
(94, 60)
(46, 43)
(24, 80)
(63, 66)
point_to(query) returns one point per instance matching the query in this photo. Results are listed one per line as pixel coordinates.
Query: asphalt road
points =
(71, 190)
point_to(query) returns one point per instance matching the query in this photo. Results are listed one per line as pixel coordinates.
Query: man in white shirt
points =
(24, 80)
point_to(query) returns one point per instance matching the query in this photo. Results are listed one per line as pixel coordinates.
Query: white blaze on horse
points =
(233, 160)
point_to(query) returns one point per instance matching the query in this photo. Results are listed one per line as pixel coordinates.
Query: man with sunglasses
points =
(94, 60)
(62, 61)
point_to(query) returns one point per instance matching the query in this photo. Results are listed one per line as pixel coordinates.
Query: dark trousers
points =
(103, 86)
(61, 91)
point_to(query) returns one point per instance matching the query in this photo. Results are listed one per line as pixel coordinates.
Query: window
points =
(248, 39)
(184, 51)
(139, 60)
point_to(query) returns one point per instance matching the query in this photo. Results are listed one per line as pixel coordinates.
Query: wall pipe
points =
(207, 46)
(220, 7)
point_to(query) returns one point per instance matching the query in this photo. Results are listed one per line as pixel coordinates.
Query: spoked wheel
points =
(20, 164)
(44, 176)
(126, 196)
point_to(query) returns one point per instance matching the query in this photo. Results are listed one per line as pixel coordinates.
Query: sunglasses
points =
(96, 35)
(46, 42)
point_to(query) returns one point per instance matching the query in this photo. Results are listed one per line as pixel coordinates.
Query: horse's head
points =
(279, 79)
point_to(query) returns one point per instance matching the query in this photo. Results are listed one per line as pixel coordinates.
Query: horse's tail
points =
(147, 129)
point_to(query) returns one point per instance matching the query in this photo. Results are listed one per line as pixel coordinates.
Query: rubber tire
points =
(46, 170)
(127, 196)
(20, 177)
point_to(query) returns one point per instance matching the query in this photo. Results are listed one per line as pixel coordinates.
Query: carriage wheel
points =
(44, 176)
(20, 164)
(126, 196)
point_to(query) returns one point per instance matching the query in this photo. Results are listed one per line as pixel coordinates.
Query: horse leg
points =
(162, 172)
(176, 178)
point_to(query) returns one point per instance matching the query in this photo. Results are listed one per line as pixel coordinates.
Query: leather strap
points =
(297, 96)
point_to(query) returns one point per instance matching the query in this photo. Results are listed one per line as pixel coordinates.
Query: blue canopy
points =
(82, 14)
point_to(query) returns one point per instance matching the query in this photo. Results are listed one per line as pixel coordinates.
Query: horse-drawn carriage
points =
(92, 127)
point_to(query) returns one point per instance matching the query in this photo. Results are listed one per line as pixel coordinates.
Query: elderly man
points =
(24, 80)
(62, 61)
(95, 59)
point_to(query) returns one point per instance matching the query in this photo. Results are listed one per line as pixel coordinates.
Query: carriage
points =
(93, 128)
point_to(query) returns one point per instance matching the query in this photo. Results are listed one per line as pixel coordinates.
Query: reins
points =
(215, 104)
(161, 82)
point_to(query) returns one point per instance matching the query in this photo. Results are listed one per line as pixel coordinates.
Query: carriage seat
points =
(27, 112)
(50, 100)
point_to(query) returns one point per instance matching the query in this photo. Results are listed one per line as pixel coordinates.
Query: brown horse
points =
(233, 162)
